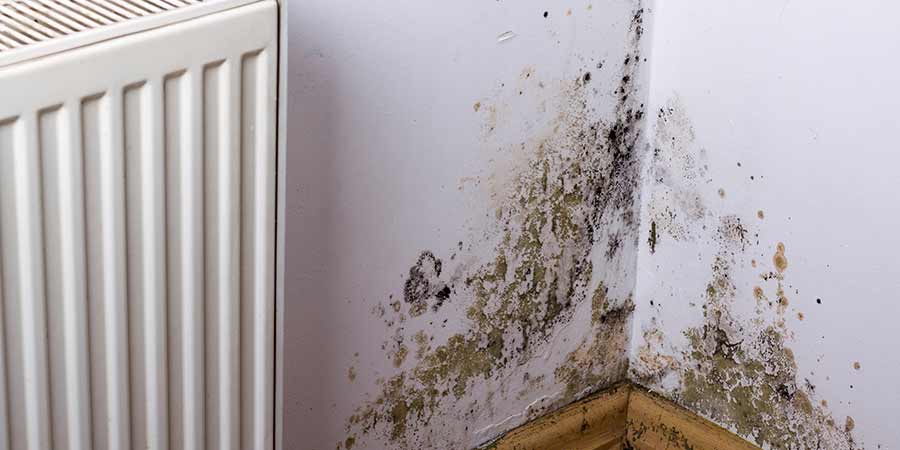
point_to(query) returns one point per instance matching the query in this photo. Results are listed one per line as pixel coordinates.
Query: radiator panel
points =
(137, 240)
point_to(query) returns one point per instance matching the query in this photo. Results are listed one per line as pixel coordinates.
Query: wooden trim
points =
(657, 423)
(623, 417)
(595, 423)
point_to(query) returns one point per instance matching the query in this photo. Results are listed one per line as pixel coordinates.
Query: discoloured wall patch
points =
(577, 191)
(677, 170)
(597, 362)
(652, 357)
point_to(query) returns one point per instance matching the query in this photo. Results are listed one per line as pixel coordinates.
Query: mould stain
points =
(422, 344)
(577, 191)
(400, 355)
(737, 370)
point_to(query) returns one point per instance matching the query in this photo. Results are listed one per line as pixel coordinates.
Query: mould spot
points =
(780, 261)
(351, 373)
(652, 239)
(421, 339)
(476, 106)
(598, 304)
(759, 295)
(760, 214)
(857, 365)
(400, 355)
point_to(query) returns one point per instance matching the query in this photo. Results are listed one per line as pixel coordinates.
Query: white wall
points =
(413, 128)
(790, 107)
(778, 106)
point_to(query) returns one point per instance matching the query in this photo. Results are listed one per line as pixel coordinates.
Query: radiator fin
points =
(24, 22)
(33, 28)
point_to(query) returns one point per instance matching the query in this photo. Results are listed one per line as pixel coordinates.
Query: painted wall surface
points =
(461, 215)
(768, 278)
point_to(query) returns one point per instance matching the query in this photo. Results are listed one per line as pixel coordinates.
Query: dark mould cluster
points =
(423, 285)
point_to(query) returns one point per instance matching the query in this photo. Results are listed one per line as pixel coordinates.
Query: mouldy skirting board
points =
(624, 417)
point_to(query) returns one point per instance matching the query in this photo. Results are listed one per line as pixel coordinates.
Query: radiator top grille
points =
(35, 28)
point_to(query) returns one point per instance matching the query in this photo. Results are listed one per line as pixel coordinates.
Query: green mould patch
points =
(736, 369)
(580, 181)
(740, 372)
(743, 375)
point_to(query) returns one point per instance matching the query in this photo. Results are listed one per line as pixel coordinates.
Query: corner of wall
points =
(645, 237)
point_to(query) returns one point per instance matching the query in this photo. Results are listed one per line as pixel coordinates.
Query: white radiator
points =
(137, 224)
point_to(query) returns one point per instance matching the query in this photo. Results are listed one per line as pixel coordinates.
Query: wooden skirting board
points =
(624, 417)
(596, 423)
